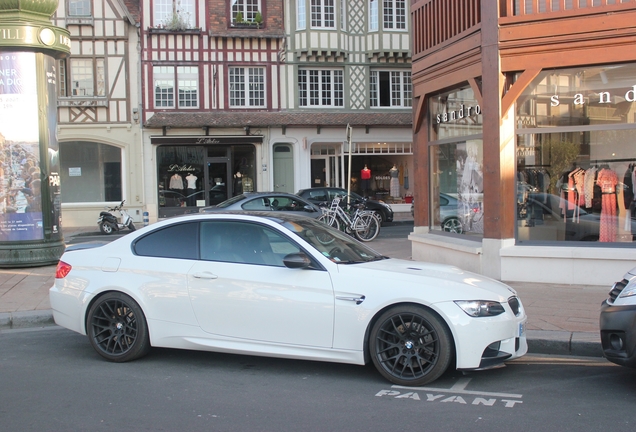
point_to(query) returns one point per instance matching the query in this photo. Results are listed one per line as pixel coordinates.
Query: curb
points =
(26, 319)
(583, 344)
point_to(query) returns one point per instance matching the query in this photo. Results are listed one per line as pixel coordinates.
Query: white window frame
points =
(400, 91)
(321, 88)
(88, 77)
(79, 8)
(164, 9)
(394, 14)
(175, 83)
(323, 14)
(247, 87)
(343, 15)
(301, 18)
(373, 15)
(248, 8)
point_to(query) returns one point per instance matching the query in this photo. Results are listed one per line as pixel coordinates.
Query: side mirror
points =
(310, 209)
(296, 260)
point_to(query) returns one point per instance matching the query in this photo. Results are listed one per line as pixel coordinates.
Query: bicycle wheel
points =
(367, 228)
(330, 219)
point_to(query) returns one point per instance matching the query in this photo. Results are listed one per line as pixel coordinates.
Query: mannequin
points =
(365, 176)
(395, 181)
(238, 183)
(192, 188)
(176, 182)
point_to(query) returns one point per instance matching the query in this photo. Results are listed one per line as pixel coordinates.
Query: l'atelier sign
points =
(206, 140)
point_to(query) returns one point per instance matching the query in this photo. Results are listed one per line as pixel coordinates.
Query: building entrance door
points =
(217, 181)
(283, 168)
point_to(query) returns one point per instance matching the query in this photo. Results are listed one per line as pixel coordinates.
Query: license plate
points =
(522, 328)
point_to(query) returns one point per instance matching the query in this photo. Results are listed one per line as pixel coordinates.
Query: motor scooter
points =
(109, 223)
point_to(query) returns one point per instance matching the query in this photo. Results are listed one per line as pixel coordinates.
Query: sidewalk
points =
(562, 319)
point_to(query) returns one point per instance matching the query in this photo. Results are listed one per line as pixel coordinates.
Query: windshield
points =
(335, 245)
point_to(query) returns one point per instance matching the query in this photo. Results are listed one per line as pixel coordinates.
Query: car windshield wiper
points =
(379, 258)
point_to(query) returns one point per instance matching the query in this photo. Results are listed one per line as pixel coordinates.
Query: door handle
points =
(358, 300)
(204, 275)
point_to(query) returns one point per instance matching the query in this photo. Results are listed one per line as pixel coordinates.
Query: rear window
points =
(176, 241)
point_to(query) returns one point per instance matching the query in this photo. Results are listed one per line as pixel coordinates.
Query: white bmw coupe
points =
(283, 286)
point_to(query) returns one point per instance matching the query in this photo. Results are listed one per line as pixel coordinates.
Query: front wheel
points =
(131, 226)
(367, 227)
(452, 225)
(117, 329)
(329, 219)
(410, 346)
(105, 228)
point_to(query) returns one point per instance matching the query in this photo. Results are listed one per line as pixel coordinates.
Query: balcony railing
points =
(518, 8)
(438, 21)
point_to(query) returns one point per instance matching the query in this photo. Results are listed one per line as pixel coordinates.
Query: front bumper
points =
(483, 343)
(618, 333)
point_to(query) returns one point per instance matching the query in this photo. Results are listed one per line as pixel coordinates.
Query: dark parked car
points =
(321, 195)
(267, 201)
(618, 322)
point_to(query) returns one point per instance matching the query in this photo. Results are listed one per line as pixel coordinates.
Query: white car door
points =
(241, 289)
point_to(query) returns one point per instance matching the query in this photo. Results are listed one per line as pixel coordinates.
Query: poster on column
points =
(20, 196)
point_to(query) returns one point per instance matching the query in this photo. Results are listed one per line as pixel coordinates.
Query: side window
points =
(443, 201)
(177, 241)
(258, 204)
(244, 243)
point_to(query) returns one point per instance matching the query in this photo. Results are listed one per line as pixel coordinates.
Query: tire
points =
(380, 216)
(410, 346)
(367, 228)
(106, 228)
(117, 328)
(131, 226)
(330, 219)
(453, 225)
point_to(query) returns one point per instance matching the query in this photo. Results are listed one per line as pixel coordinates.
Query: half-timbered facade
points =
(257, 95)
(525, 116)
(200, 61)
(99, 110)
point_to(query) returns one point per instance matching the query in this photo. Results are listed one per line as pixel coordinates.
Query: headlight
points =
(628, 292)
(480, 308)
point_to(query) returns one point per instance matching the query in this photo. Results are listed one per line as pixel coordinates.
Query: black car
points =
(322, 195)
(267, 201)
(618, 322)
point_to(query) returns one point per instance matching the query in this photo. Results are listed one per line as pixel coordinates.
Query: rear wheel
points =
(117, 329)
(410, 346)
(367, 227)
(452, 225)
(106, 228)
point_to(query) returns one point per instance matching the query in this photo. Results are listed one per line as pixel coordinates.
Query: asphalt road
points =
(52, 380)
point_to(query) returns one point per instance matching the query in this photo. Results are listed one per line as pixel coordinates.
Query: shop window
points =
(90, 172)
(247, 87)
(391, 89)
(457, 188)
(323, 14)
(321, 88)
(575, 158)
(79, 8)
(174, 14)
(187, 86)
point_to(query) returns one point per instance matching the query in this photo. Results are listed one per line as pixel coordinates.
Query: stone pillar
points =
(30, 208)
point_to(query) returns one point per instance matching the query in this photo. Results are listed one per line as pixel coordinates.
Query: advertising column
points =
(30, 222)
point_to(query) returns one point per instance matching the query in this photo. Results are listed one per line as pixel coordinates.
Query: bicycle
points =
(363, 223)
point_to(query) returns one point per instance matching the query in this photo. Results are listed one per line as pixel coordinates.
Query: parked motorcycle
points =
(109, 223)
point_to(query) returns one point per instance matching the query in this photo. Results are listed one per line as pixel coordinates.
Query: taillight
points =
(62, 270)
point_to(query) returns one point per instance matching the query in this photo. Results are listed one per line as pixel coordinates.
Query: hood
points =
(465, 285)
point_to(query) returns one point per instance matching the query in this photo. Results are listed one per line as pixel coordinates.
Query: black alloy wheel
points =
(117, 328)
(410, 346)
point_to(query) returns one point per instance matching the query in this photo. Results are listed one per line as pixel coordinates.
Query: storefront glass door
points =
(217, 181)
